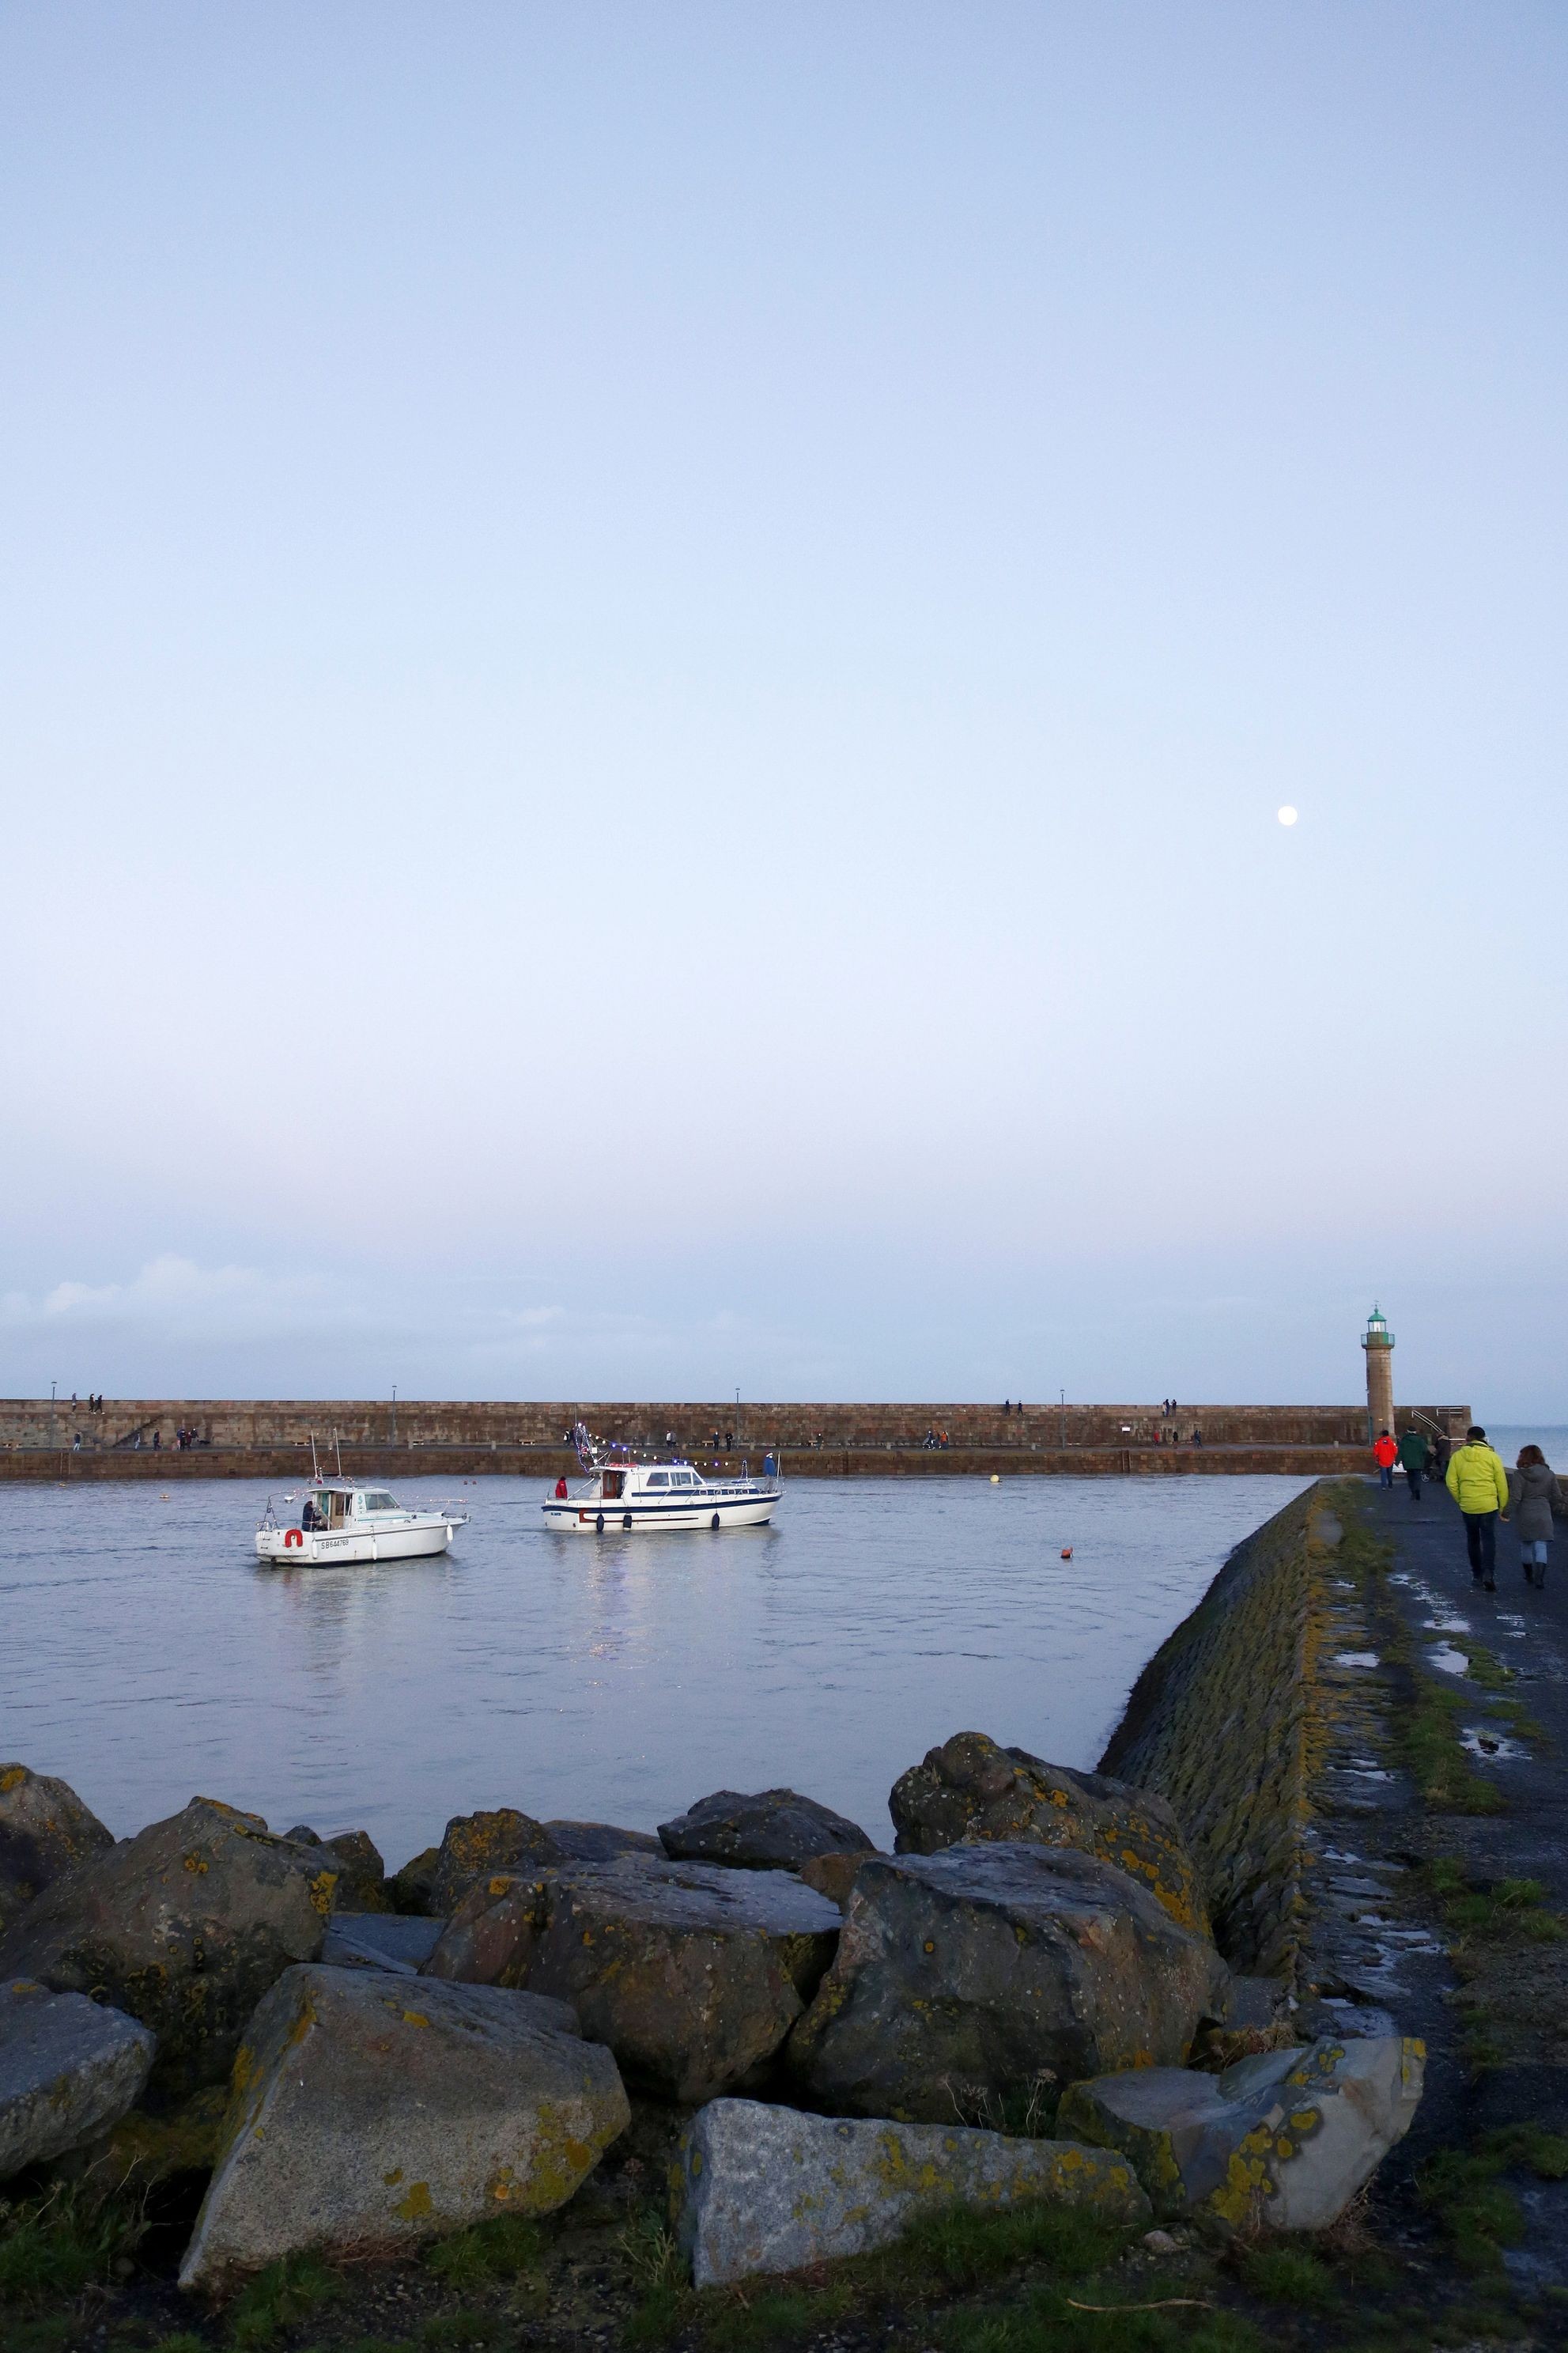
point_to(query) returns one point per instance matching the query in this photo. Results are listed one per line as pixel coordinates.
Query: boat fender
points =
(599, 1523)
(625, 1519)
(291, 1536)
(714, 1521)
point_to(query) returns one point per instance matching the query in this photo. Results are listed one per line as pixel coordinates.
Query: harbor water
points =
(148, 1656)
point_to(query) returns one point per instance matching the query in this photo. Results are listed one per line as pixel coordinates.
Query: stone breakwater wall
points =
(434, 1468)
(1221, 1723)
(241, 1438)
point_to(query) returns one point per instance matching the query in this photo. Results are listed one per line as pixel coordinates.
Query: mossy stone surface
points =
(964, 1978)
(371, 2111)
(185, 1927)
(764, 2189)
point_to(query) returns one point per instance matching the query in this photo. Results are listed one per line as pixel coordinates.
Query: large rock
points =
(834, 1876)
(69, 2068)
(692, 1974)
(776, 1830)
(45, 1831)
(412, 1890)
(971, 1788)
(768, 2190)
(186, 1927)
(356, 1858)
(599, 1841)
(1285, 2138)
(370, 2113)
(968, 1981)
(477, 1846)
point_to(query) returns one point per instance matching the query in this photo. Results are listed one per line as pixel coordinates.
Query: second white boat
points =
(624, 1497)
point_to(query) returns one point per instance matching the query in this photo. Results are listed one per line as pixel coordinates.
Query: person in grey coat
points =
(1533, 1494)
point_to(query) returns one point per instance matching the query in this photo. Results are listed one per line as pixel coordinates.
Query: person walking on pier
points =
(1478, 1484)
(1383, 1454)
(1533, 1495)
(1413, 1453)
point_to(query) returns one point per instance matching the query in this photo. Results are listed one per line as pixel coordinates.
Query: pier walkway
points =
(1439, 1884)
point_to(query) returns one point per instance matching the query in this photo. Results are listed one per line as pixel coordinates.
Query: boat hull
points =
(643, 1514)
(355, 1547)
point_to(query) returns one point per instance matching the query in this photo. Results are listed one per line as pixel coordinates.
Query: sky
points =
(648, 656)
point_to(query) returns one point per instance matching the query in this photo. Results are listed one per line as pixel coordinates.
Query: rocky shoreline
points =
(1095, 1996)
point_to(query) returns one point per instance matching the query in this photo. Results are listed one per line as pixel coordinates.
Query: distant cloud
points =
(177, 1296)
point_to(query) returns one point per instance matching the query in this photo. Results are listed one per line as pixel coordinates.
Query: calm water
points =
(147, 1657)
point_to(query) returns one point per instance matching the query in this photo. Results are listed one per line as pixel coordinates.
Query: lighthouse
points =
(1378, 1342)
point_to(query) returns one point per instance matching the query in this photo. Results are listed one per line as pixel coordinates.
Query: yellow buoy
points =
(995, 1478)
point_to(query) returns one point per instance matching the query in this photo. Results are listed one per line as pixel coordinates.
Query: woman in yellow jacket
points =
(1478, 1484)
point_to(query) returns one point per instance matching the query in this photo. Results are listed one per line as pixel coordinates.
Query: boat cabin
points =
(643, 1480)
(336, 1504)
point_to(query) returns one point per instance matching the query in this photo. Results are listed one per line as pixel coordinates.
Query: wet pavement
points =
(1375, 1947)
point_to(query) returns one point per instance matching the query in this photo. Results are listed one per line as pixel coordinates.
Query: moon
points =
(1287, 815)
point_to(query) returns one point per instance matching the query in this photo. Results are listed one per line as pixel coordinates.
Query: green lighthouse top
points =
(1377, 1334)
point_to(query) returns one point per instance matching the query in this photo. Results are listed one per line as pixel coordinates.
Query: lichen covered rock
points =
(69, 2068)
(45, 1831)
(971, 1788)
(693, 1974)
(776, 1829)
(183, 1926)
(476, 1846)
(768, 2190)
(968, 1980)
(1286, 2138)
(370, 2113)
(361, 1874)
(599, 1841)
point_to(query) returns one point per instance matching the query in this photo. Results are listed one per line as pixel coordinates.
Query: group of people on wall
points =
(1486, 1493)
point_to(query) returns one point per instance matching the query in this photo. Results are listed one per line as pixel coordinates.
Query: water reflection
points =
(149, 1656)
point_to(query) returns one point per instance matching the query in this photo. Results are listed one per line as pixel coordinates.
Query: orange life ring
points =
(292, 1536)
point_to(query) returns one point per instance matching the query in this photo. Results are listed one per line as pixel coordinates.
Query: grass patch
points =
(660, 2313)
(1486, 1668)
(53, 2247)
(1288, 2276)
(1465, 2190)
(780, 2317)
(281, 2297)
(1498, 1911)
(963, 2246)
(510, 2248)
(1428, 1728)
(666, 2299)
(1049, 2321)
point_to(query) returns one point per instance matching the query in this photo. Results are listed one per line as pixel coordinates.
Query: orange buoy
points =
(1067, 1552)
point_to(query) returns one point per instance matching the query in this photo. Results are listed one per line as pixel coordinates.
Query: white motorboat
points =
(341, 1523)
(626, 1496)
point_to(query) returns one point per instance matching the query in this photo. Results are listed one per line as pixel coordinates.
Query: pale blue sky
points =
(647, 659)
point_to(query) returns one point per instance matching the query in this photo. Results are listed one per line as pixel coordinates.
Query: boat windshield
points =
(378, 1499)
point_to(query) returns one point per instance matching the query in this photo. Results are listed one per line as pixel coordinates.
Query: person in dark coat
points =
(1413, 1453)
(1534, 1496)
